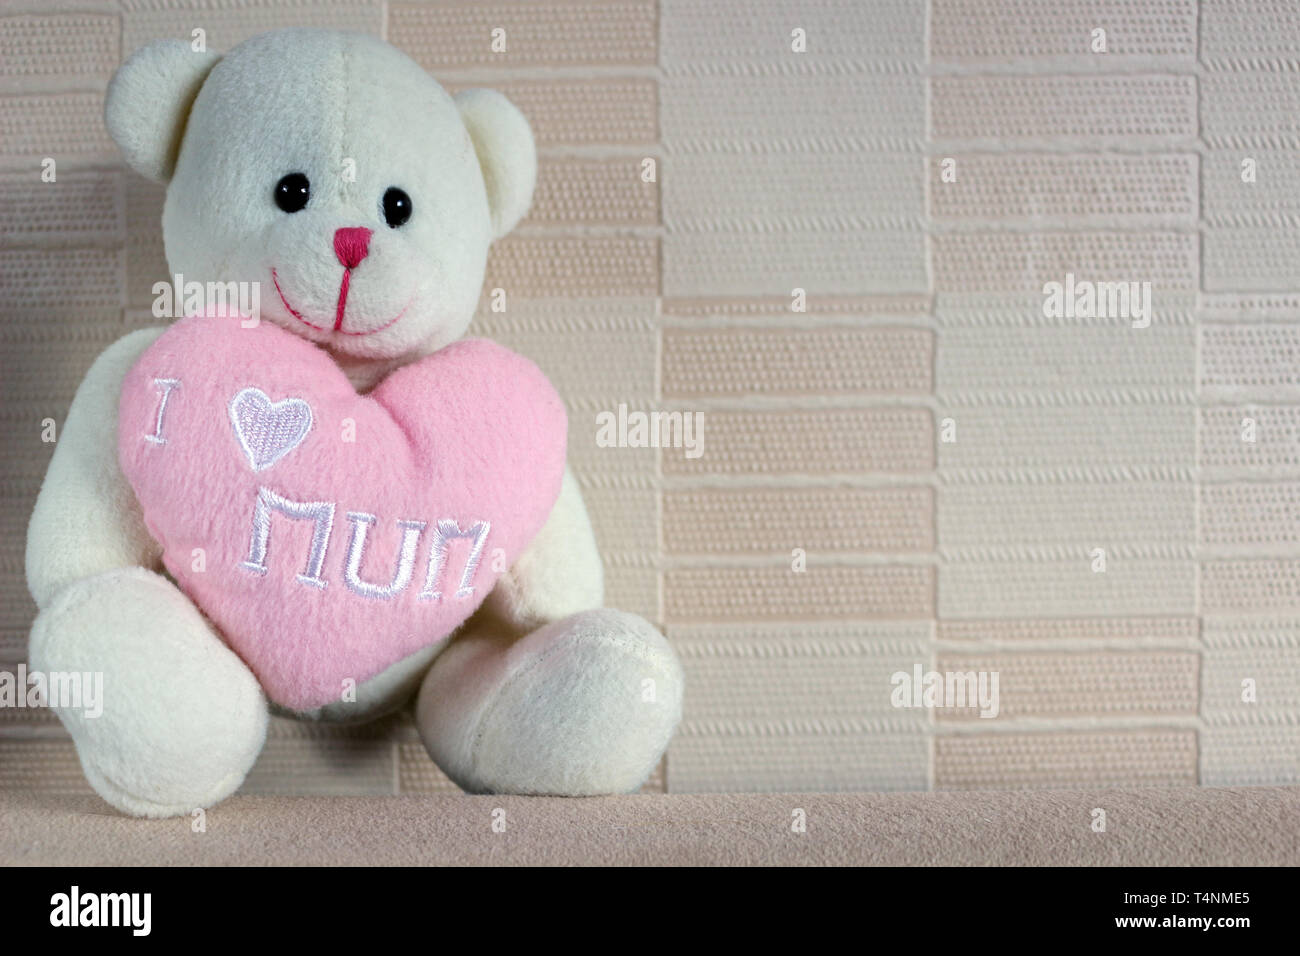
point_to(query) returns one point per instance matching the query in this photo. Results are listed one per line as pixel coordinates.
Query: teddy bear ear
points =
(149, 100)
(506, 153)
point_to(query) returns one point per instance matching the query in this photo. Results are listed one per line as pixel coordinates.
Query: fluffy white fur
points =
(86, 518)
(560, 574)
(149, 102)
(539, 693)
(506, 153)
(573, 708)
(360, 118)
(183, 718)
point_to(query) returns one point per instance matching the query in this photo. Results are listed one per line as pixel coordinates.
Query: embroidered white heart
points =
(267, 430)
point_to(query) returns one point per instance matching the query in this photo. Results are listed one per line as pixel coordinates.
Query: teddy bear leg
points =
(181, 718)
(584, 705)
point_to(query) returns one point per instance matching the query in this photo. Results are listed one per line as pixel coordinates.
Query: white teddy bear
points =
(541, 691)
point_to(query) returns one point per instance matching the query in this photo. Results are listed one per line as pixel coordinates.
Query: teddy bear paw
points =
(582, 706)
(167, 718)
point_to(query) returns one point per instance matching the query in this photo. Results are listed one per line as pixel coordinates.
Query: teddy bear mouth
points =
(338, 320)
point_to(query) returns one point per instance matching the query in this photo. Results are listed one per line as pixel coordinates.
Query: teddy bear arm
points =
(560, 573)
(86, 519)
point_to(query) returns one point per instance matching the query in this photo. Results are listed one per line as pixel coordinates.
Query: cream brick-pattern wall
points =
(824, 430)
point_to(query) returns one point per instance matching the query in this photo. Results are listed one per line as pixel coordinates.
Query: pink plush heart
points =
(329, 535)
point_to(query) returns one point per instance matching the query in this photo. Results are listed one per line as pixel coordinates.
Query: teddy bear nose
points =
(352, 244)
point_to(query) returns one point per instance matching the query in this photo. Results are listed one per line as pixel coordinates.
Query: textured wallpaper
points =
(986, 316)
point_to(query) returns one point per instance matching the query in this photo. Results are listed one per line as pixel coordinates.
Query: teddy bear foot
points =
(583, 706)
(168, 718)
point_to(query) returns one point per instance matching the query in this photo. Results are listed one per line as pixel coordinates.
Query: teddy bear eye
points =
(397, 207)
(292, 192)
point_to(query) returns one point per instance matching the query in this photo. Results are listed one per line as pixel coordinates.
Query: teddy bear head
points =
(332, 170)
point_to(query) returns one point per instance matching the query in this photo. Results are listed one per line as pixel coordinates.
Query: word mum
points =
(321, 514)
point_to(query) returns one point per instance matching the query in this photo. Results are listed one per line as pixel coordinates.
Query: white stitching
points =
(445, 530)
(166, 391)
(321, 512)
(361, 522)
(267, 430)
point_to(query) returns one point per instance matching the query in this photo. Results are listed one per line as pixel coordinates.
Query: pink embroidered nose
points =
(352, 244)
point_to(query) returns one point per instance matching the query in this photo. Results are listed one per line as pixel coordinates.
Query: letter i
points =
(165, 386)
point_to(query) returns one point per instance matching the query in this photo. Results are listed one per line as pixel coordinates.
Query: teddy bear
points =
(209, 538)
